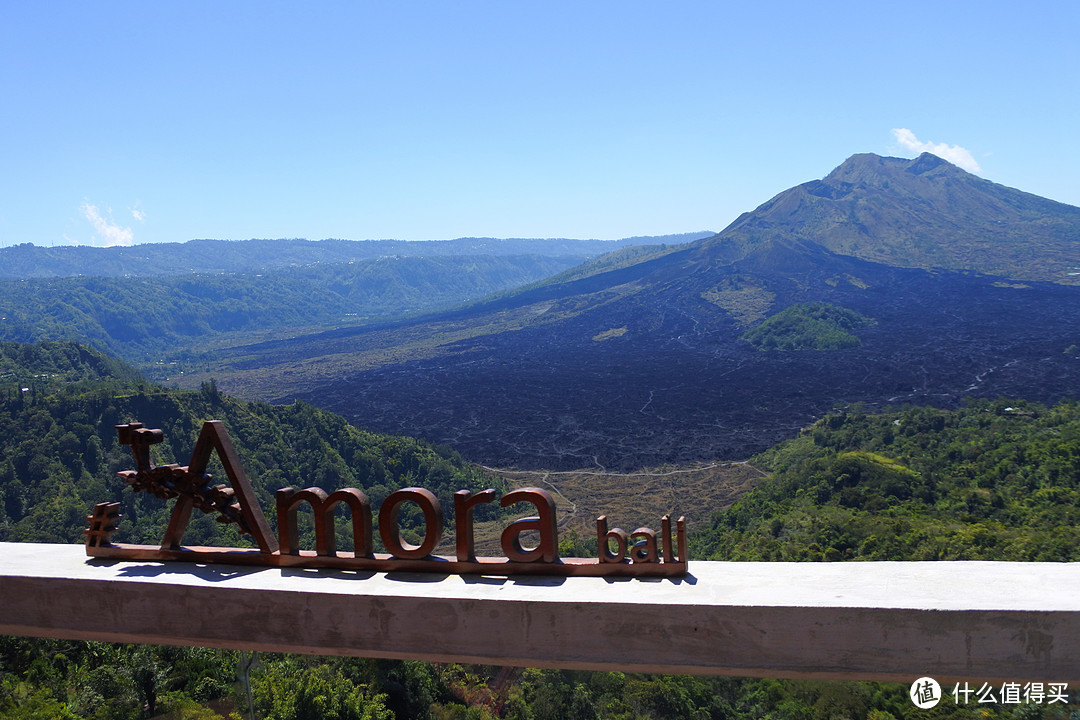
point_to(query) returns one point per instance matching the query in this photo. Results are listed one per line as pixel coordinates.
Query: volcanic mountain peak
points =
(924, 213)
(872, 170)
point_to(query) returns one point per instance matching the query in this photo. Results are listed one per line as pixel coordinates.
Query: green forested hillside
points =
(996, 480)
(49, 365)
(132, 317)
(59, 454)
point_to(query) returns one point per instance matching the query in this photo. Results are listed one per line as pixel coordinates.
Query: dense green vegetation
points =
(59, 454)
(141, 318)
(61, 680)
(50, 680)
(808, 326)
(49, 365)
(996, 480)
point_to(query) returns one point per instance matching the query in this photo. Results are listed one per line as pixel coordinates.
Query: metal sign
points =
(643, 552)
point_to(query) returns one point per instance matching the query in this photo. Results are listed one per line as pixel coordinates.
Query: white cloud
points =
(138, 214)
(955, 154)
(109, 231)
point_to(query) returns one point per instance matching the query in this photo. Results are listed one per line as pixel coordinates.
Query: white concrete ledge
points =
(870, 621)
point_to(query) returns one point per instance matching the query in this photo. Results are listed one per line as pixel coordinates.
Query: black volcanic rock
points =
(678, 386)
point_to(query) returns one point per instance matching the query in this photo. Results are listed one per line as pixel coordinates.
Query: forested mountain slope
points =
(48, 365)
(147, 318)
(59, 453)
(994, 480)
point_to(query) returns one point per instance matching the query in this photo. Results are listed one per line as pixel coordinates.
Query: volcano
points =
(642, 357)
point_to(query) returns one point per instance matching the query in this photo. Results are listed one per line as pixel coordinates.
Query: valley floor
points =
(630, 500)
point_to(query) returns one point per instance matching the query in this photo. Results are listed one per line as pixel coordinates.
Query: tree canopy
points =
(808, 326)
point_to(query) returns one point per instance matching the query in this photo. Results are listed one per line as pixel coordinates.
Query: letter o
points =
(391, 534)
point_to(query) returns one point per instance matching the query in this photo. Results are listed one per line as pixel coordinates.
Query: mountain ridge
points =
(26, 261)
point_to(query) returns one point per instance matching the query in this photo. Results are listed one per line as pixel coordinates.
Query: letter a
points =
(544, 523)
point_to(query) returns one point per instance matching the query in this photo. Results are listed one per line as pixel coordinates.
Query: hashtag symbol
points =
(102, 524)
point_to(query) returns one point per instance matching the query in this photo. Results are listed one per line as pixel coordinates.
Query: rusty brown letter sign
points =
(643, 552)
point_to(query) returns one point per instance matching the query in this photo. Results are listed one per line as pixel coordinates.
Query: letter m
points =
(289, 499)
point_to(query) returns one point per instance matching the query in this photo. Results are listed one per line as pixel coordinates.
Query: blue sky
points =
(132, 122)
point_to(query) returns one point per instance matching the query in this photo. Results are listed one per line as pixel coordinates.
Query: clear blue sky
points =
(138, 122)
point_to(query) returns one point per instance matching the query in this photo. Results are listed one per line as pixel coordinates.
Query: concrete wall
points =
(870, 621)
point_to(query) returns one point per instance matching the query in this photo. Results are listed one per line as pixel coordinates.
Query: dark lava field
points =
(679, 386)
